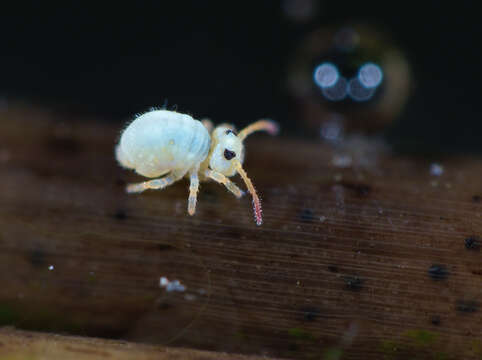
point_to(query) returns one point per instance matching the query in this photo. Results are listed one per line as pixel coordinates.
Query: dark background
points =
(228, 61)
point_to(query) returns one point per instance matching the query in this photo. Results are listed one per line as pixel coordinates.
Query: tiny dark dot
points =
(353, 283)
(120, 214)
(307, 215)
(466, 306)
(438, 272)
(229, 131)
(435, 320)
(359, 189)
(310, 313)
(472, 243)
(164, 247)
(476, 198)
(228, 154)
(163, 306)
(120, 182)
(37, 258)
(333, 268)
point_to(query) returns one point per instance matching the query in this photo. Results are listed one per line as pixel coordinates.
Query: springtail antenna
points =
(256, 202)
(267, 125)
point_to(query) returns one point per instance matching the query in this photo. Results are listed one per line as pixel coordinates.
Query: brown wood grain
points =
(19, 345)
(376, 258)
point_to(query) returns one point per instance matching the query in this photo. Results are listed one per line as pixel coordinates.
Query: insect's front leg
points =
(220, 178)
(193, 189)
(154, 184)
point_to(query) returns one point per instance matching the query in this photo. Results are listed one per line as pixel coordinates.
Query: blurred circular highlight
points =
(352, 69)
(337, 91)
(370, 75)
(325, 75)
(358, 91)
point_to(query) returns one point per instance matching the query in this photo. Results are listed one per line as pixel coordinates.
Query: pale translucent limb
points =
(256, 201)
(154, 184)
(220, 178)
(193, 190)
(208, 124)
(267, 125)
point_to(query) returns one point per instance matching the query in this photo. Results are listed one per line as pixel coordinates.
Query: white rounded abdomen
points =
(161, 141)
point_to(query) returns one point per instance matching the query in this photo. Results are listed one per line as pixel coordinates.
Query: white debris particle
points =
(174, 285)
(436, 169)
(163, 282)
(322, 218)
(51, 267)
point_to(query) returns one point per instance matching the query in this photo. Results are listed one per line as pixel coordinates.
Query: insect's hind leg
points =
(193, 190)
(153, 184)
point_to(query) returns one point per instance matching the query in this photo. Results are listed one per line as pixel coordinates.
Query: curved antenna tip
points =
(258, 217)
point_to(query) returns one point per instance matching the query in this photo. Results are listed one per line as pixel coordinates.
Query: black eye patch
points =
(229, 131)
(228, 154)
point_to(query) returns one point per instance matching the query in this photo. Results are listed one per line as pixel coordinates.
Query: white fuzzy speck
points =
(51, 267)
(164, 281)
(175, 285)
(436, 169)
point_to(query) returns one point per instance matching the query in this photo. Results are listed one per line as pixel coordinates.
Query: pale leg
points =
(153, 184)
(220, 178)
(193, 189)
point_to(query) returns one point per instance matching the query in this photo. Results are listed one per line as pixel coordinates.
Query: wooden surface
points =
(27, 345)
(368, 259)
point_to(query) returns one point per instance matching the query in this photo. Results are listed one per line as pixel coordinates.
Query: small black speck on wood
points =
(310, 313)
(435, 320)
(467, 306)
(307, 215)
(438, 272)
(472, 243)
(353, 283)
(120, 214)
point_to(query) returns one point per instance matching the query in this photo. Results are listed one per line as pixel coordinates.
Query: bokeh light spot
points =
(358, 92)
(370, 75)
(325, 75)
(336, 92)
